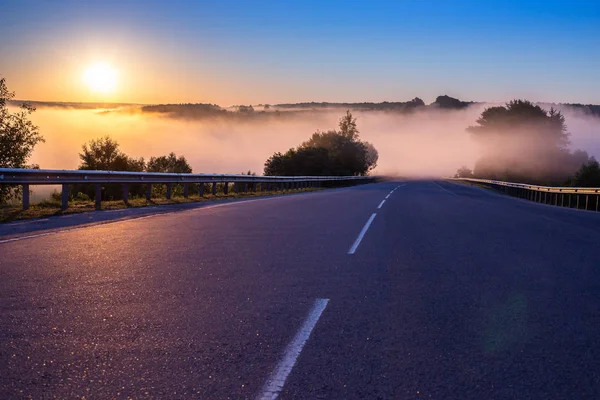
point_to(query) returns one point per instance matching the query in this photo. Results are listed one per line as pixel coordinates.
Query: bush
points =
(588, 175)
(338, 153)
(82, 197)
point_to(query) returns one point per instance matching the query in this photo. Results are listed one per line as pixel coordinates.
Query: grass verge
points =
(49, 208)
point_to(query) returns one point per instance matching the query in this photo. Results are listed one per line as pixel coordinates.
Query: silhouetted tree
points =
(448, 102)
(173, 164)
(464, 172)
(18, 138)
(170, 163)
(588, 175)
(523, 142)
(104, 155)
(327, 153)
(246, 109)
(372, 155)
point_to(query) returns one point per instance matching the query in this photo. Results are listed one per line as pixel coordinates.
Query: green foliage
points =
(170, 163)
(18, 138)
(104, 155)
(588, 175)
(333, 152)
(82, 197)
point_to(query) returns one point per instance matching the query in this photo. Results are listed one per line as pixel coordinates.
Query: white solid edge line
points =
(445, 190)
(277, 379)
(361, 234)
(381, 204)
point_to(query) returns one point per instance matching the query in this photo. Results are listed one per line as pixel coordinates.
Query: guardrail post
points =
(186, 190)
(214, 188)
(597, 200)
(226, 188)
(577, 200)
(169, 191)
(586, 202)
(64, 197)
(98, 196)
(569, 200)
(148, 191)
(236, 187)
(126, 193)
(201, 189)
(25, 196)
(562, 199)
(245, 187)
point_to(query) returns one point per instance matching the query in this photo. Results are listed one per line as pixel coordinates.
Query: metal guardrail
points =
(26, 177)
(572, 197)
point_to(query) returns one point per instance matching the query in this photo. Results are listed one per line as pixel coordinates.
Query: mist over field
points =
(421, 143)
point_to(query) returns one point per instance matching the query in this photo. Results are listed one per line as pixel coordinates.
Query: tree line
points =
(104, 154)
(520, 142)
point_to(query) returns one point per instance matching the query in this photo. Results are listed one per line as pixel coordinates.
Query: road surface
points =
(443, 291)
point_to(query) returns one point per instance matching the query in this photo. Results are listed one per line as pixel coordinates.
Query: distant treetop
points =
(448, 102)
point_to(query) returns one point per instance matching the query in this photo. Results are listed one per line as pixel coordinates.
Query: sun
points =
(101, 78)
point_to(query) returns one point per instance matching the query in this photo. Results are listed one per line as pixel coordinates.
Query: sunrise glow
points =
(101, 78)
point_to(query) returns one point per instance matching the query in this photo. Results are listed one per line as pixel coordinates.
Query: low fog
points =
(422, 143)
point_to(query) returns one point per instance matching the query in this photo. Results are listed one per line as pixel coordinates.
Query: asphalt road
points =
(452, 292)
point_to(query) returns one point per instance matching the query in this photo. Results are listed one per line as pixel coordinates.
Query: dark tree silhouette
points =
(448, 102)
(18, 138)
(335, 152)
(170, 163)
(104, 155)
(588, 175)
(523, 142)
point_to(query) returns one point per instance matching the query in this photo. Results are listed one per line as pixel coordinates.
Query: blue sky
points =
(278, 51)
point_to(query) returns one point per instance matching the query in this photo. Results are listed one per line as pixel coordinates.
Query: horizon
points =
(271, 53)
(226, 106)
